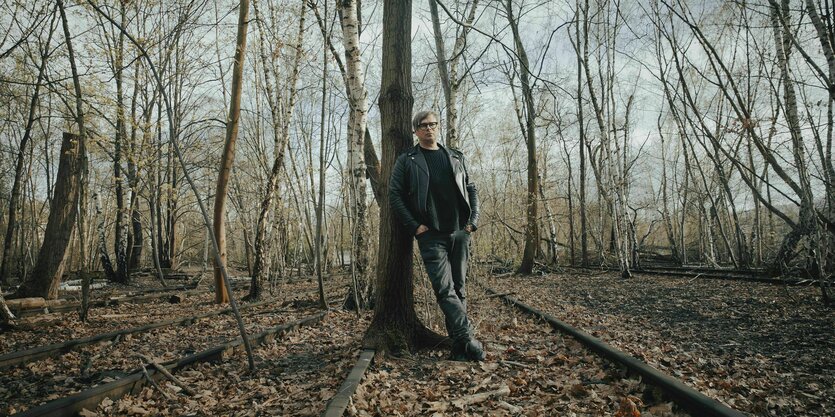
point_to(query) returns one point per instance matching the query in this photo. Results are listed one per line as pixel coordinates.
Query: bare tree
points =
(14, 199)
(395, 327)
(529, 131)
(448, 67)
(228, 158)
(361, 292)
(281, 134)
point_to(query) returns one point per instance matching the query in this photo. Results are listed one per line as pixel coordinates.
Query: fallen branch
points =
(510, 407)
(154, 383)
(481, 397)
(489, 296)
(167, 374)
(520, 364)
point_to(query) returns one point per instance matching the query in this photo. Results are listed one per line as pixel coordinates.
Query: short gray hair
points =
(419, 116)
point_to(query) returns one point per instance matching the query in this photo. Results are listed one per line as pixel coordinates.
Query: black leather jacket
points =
(409, 186)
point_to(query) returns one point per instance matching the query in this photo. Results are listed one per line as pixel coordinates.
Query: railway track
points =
(729, 274)
(502, 356)
(51, 350)
(341, 398)
(134, 381)
(754, 347)
(62, 369)
(688, 398)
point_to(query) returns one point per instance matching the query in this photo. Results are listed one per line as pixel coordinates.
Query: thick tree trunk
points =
(45, 277)
(228, 158)
(395, 327)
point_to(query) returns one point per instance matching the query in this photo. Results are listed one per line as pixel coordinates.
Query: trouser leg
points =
(434, 249)
(458, 258)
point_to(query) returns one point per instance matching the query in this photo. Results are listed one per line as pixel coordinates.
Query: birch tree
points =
(361, 292)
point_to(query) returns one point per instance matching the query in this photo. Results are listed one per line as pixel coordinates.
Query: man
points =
(432, 196)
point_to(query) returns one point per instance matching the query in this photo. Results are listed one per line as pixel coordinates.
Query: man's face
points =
(427, 131)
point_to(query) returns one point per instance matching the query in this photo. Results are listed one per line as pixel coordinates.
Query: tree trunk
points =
(584, 243)
(228, 158)
(532, 223)
(319, 203)
(281, 132)
(6, 316)
(358, 297)
(14, 198)
(448, 68)
(395, 327)
(120, 237)
(45, 277)
(807, 225)
(135, 238)
(106, 263)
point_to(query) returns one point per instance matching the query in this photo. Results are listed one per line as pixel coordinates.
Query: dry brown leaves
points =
(530, 370)
(762, 349)
(34, 383)
(295, 375)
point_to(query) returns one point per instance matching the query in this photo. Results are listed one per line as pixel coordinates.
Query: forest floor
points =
(762, 349)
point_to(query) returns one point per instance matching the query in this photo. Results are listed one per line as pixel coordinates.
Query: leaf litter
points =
(765, 350)
(724, 339)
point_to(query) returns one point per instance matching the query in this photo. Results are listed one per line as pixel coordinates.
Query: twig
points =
(154, 383)
(520, 364)
(481, 397)
(167, 374)
(486, 297)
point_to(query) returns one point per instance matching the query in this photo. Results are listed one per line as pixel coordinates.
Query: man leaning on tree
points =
(431, 195)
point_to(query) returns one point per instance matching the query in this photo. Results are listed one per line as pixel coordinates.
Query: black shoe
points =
(457, 353)
(474, 350)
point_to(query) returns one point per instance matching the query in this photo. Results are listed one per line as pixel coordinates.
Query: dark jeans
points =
(445, 257)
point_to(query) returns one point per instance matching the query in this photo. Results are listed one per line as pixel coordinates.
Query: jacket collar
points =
(416, 155)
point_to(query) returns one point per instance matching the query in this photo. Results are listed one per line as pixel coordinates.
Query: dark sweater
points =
(443, 204)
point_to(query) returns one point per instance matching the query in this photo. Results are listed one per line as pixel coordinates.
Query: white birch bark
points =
(357, 121)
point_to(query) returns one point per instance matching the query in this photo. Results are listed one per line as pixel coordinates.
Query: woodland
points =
(242, 150)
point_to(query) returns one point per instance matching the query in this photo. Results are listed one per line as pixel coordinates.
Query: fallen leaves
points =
(758, 348)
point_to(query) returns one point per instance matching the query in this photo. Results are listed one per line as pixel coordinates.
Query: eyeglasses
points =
(428, 126)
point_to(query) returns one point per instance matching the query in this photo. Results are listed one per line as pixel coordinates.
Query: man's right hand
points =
(421, 229)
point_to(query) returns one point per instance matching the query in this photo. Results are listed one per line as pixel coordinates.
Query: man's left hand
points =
(468, 228)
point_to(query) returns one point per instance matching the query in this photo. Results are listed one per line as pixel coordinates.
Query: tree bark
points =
(532, 223)
(120, 237)
(395, 327)
(807, 225)
(228, 158)
(281, 132)
(45, 277)
(14, 198)
(359, 297)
